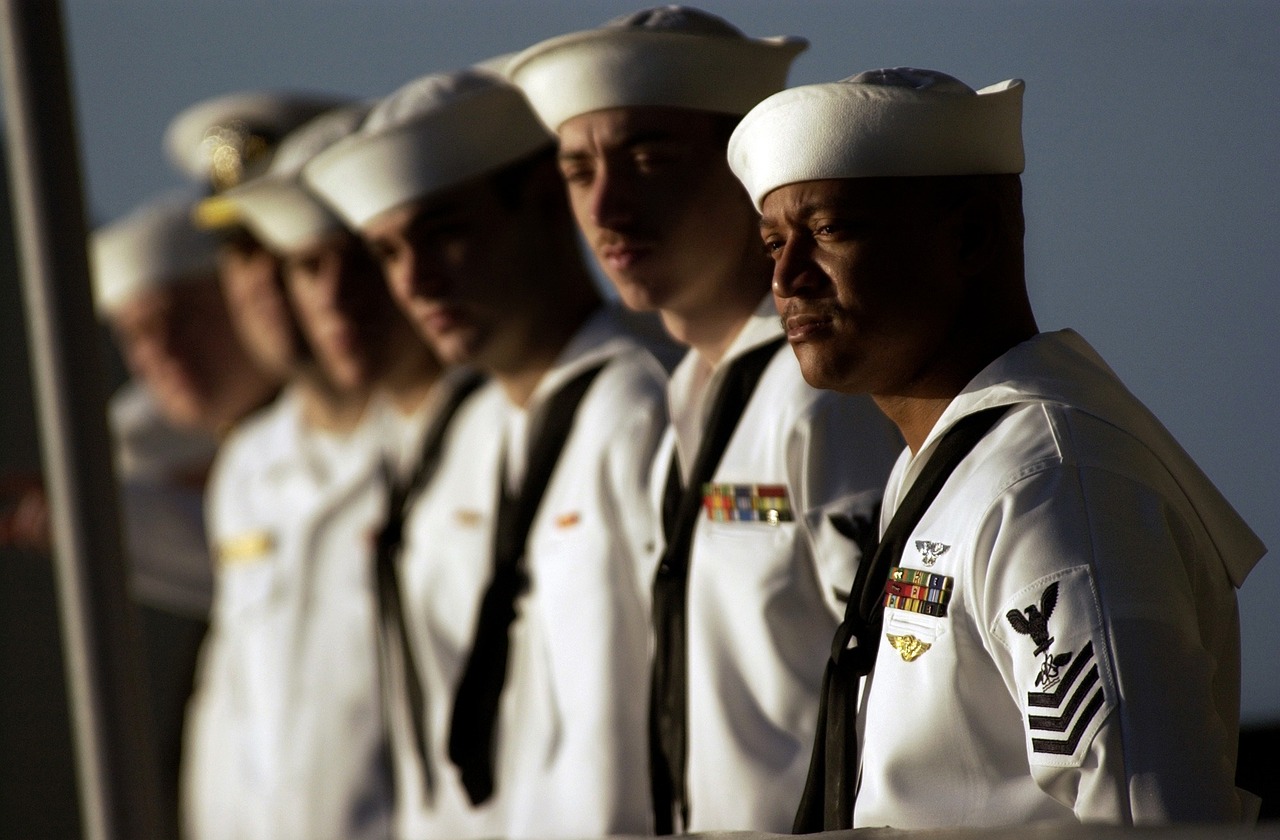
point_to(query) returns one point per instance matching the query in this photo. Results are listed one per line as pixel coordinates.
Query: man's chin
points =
(816, 368)
(451, 351)
(637, 295)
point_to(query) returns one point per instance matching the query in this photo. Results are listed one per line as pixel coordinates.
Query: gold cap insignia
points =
(234, 152)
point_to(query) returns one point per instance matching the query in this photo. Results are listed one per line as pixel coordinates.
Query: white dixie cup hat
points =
(434, 133)
(153, 246)
(899, 122)
(669, 56)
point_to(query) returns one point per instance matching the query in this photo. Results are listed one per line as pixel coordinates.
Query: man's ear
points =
(976, 223)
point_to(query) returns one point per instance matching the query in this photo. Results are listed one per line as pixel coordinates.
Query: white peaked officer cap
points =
(900, 122)
(276, 206)
(155, 245)
(226, 140)
(669, 56)
(434, 133)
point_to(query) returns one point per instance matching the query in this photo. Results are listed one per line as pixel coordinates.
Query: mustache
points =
(817, 310)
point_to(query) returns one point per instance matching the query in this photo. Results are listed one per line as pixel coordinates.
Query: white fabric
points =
(673, 57)
(764, 600)
(572, 729)
(285, 731)
(161, 472)
(1080, 489)
(155, 245)
(885, 123)
(434, 133)
(276, 206)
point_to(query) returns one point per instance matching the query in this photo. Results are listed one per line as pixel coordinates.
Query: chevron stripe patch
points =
(1076, 702)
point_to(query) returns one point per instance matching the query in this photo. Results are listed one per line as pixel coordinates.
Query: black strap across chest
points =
(473, 729)
(393, 634)
(830, 790)
(681, 507)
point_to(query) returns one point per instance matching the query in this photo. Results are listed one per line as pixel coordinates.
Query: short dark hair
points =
(1004, 191)
(722, 128)
(510, 182)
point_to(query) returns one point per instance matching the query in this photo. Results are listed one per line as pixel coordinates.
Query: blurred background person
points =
(286, 738)
(219, 143)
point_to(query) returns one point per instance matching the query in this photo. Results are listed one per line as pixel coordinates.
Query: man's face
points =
(343, 308)
(456, 265)
(866, 280)
(657, 203)
(255, 297)
(178, 340)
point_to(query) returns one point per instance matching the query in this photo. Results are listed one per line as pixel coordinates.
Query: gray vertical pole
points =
(116, 763)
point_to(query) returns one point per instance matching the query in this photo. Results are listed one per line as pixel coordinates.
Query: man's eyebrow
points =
(630, 140)
(801, 213)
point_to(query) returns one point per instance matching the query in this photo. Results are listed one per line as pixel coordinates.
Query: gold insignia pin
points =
(568, 520)
(246, 547)
(909, 647)
(468, 518)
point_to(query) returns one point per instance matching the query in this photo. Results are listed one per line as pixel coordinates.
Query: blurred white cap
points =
(226, 140)
(277, 206)
(155, 245)
(434, 133)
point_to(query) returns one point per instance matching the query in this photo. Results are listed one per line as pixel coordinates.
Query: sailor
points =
(767, 487)
(155, 284)
(287, 737)
(1054, 636)
(221, 142)
(526, 557)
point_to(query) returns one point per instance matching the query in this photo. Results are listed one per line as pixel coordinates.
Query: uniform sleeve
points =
(839, 454)
(1092, 609)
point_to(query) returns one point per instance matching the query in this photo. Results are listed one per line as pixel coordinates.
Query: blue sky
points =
(1152, 191)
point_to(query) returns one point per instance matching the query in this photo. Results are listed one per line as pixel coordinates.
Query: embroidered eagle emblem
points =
(1033, 621)
(1036, 622)
(909, 647)
(931, 551)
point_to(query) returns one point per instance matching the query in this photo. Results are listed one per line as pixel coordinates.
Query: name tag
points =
(246, 548)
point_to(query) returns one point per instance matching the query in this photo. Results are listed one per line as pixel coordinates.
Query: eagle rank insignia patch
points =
(1052, 623)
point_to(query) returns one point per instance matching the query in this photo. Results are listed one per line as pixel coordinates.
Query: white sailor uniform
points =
(1061, 638)
(571, 731)
(286, 737)
(765, 594)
